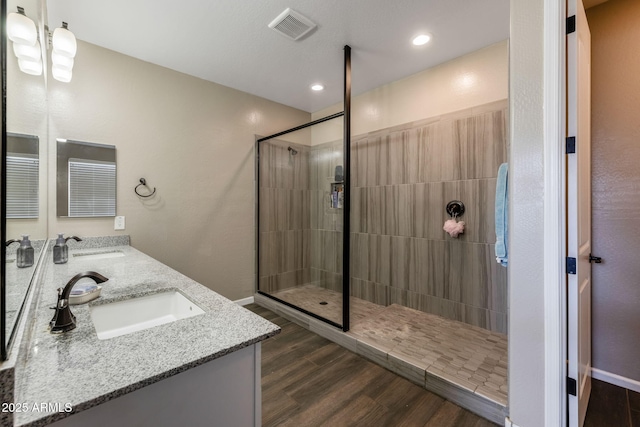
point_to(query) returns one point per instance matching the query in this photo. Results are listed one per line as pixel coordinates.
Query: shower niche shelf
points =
(336, 196)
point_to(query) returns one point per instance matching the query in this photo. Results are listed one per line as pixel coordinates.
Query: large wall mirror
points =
(24, 189)
(24, 244)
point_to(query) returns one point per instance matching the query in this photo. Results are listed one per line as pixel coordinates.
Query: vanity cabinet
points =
(223, 392)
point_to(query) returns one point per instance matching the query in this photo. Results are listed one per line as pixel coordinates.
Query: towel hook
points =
(144, 182)
(455, 208)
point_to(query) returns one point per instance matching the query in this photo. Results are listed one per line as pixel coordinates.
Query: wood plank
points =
(608, 406)
(310, 381)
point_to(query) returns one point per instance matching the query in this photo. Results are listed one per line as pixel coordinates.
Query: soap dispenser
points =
(25, 253)
(61, 250)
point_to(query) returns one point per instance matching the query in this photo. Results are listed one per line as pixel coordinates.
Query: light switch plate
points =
(118, 224)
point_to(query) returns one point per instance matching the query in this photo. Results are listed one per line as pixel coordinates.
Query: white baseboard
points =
(618, 380)
(244, 301)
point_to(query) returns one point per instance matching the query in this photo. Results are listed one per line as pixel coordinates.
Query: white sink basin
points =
(124, 317)
(99, 255)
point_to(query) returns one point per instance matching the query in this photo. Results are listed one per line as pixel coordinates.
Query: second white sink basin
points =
(135, 314)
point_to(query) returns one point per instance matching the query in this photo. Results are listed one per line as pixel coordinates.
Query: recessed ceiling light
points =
(317, 87)
(421, 39)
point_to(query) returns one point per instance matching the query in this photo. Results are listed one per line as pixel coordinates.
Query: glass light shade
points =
(30, 67)
(23, 51)
(21, 29)
(61, 74)
(61, 61)
(64, 42)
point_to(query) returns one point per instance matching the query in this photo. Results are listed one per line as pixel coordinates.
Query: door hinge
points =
(571, 145)
(571, 265)
(571, 24)
(572, 386)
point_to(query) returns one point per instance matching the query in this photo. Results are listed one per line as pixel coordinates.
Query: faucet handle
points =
(63, 319)
(61, 300)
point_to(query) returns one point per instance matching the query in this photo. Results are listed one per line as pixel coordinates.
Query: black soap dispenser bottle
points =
(61, 250)
(25, 253)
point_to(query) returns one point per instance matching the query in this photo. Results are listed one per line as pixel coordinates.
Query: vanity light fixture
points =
(422, 39)
(61, 74)
(24, 51)
(61, 61)
(21, 29)
(64, 49)
(64, 42)
(317, 87)
(22, 32)
(30, 67)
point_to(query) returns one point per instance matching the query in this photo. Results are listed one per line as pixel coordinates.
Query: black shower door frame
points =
(346, 234)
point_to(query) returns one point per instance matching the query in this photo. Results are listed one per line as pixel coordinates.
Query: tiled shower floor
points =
(420, 346)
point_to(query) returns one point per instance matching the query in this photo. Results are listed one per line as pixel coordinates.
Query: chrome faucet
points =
(63, 319)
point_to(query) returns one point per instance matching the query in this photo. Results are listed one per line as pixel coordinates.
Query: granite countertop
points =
(77, 368)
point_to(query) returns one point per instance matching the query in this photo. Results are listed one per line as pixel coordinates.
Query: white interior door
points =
(579, 213)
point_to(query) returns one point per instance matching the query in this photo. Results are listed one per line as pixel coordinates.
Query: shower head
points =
(293, 151)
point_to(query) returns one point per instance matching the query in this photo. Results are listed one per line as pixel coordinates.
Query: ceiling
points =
(229, 42)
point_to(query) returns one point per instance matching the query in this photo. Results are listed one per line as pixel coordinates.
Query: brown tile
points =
(361, 411)
(607, 406)
(399, 261)
(445, 416)
(326, 354)
(457, 351)
(634, 400)
(276, 406)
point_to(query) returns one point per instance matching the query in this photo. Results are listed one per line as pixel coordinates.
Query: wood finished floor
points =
(310, 381)
(611, 405)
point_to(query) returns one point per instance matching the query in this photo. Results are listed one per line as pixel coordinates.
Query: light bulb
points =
(421, 39)
(61, 74)
(61, 61)
(64, 42)
(23, 51)
(30, 67)
(317, 87)
(21, 29)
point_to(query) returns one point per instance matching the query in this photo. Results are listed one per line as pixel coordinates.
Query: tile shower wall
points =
(285, 220)
(326, 222)
(402, 179)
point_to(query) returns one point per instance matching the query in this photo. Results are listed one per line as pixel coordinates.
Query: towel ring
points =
(455, 208)
(144, 182)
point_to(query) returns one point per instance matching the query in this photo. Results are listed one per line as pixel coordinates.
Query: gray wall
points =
(616, 179)
(326, 222)
(191, 139)
(526, 216)
(285, 226)
(402, 179)
(300, 235)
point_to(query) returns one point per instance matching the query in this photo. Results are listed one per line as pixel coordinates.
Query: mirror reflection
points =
(23, 166)
(26, 222)
(86, 179)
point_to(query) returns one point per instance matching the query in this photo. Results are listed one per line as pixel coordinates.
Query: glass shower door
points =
(301, 218)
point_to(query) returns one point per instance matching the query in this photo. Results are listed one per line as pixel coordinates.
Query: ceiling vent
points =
(292, 24)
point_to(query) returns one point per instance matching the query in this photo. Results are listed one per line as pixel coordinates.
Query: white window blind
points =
(22, 186)
(92, 188)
